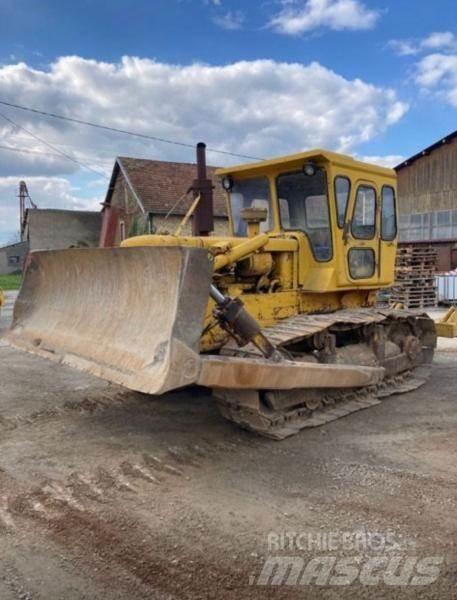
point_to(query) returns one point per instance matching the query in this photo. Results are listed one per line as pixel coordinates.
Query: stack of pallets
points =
(415, 270)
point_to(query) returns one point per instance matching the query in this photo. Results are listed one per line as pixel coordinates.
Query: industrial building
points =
(427, 192)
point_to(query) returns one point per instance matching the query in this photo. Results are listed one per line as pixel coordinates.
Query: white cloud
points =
(390, 160)
(230, 20)
(438, 73)
(299, 16)
(26, 156)
(404, 47)
(436, 68)
(259, 108)
(444, 40)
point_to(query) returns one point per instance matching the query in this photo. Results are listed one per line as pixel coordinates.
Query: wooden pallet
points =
(415, 269)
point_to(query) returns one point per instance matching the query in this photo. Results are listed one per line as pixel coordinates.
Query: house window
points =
(122, 230)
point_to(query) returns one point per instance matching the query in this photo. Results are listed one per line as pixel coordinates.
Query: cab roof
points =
(294, 161)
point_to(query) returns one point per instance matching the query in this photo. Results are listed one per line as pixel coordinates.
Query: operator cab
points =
(302, 201)
(342, 212)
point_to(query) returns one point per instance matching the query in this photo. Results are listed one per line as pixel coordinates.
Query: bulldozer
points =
(279, 318)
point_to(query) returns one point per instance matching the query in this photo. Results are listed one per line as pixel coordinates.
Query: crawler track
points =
(401, 341)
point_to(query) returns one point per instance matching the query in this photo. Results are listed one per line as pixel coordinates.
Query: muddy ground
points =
(105, 493)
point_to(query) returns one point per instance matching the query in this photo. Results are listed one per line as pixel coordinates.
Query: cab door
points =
(366, 232)
(357, 217)
(360, 234)
(388, 233)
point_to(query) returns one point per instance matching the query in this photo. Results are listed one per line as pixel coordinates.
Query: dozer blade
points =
(133, 316)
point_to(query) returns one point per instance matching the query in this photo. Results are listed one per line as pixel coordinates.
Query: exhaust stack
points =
(203, 219)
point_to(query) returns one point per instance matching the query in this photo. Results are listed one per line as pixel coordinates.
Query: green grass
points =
(10, 282)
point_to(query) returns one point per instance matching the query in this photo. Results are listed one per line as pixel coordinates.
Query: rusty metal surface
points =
(251, 373)
(132, 316)
(298, 327)
(203, 219)
(303, 326)
(250, 413)
(280, 413)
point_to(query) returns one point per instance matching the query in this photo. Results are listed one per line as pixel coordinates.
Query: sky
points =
(376, 79)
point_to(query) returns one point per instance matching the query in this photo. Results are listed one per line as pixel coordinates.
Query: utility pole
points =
(23, 197)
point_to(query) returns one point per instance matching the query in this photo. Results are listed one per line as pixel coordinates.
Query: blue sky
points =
(374, 78)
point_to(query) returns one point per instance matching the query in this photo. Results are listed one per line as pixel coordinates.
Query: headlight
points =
(309, 169)
(227, 183)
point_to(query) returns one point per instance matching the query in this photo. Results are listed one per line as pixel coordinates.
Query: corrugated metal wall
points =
(429, 183)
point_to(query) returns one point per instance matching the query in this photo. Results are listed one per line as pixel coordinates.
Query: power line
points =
(123, 131)
(42, 153)
(36, 152)
(27, 151)
(81, 164)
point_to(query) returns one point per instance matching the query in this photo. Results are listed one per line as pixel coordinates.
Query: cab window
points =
(364, 217)
(362, 263)
(342, 191)
(250, 193)
(388, 214)
(303, 206)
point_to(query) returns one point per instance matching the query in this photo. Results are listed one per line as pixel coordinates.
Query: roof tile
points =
(160, 184)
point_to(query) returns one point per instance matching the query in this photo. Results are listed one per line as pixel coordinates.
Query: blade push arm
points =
(235, 319)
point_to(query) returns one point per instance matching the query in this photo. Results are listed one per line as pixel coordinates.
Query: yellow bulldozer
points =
(279, 318)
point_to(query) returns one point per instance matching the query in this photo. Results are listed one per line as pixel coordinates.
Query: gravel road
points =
(105, 493)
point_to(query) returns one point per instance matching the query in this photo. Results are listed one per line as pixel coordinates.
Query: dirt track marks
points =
(83, 514)
(116, 400)
(99, 485)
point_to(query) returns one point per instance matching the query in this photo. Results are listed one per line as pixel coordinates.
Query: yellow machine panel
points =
(312, 232)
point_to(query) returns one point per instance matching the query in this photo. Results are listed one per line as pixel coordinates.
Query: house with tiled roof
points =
(150, 196)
